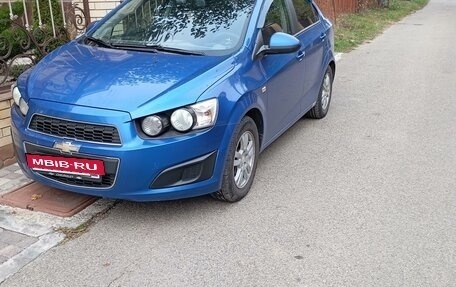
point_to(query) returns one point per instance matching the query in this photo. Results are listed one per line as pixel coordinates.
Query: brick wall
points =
(6, 146)
(99, 8)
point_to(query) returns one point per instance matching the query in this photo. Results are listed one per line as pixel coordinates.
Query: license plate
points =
(78, 168)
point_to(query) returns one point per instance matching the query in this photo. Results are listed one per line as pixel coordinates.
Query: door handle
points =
(300, 55)
(322, 36)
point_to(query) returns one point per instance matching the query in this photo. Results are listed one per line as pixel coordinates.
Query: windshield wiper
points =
(143, 47)
(99, 42)
(173, 50)
(134, 47)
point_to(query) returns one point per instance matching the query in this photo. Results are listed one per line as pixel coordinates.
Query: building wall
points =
(6, 146)
(99, 8)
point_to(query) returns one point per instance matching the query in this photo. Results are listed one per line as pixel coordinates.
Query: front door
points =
(284, 75)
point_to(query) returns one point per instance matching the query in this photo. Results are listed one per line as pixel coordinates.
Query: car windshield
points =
(179, 26)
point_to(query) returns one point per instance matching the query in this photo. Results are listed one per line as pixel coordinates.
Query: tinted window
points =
(277, 20)
(305, 13)
(277, 16)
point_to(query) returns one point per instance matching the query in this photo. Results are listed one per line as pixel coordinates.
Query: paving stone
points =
(10, 250)
(12, 168)
(10, 237)
(13, 184)
(26, 242)
(7, 187)
(3, 180)
(3, 245)
(3, 172)
(3, 259)
(13, 175)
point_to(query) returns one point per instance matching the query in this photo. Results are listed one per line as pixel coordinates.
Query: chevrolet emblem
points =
(66, 147)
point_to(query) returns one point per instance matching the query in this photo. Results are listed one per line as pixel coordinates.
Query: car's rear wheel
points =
(241, 162)
(321, 108)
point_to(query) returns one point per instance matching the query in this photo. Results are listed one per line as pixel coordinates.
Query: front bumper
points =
(141, 169)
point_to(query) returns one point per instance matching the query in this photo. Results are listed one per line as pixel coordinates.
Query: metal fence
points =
(32, 28)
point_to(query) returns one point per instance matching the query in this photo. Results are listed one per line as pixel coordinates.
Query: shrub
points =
(9, 39)
(5, 21)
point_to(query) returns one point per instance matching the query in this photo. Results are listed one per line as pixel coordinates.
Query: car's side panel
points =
(284, 75)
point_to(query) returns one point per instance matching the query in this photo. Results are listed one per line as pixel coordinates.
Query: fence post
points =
(85, 6)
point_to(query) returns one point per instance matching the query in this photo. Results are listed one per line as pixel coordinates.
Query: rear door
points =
(310, 31)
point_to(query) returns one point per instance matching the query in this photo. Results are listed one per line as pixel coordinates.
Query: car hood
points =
(122, 80)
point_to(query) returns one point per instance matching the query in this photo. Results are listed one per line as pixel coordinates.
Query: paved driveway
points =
(365, 197)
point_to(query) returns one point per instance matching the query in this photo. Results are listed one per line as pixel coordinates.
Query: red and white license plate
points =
(92, 168)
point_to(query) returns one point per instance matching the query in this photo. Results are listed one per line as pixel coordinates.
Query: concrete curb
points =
(14, 264)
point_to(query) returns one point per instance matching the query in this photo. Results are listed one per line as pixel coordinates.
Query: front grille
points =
(106, 180)
(75, 130)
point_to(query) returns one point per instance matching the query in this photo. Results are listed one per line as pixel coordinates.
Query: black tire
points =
(235, 189)
(321, 108)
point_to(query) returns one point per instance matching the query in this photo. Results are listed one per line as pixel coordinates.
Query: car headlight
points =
(154, 125)
(198, 116)
(16, 95)
(23, 106)
(206, 113)
(183, 119)
(19, 101)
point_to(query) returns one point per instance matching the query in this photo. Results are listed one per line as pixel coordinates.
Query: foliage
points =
(45, 13)
(17, 8)
(10, 40)
(354, 29)
(7, 37)
(16, 70)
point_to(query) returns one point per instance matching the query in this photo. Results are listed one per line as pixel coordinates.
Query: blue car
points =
(168, 99)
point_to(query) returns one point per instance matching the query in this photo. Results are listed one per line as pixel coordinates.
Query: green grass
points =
(354, 29)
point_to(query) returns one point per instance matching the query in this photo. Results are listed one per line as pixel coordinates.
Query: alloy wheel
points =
(244, 159)
(326, 92)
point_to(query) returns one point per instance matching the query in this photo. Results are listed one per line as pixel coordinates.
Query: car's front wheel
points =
(241, 162)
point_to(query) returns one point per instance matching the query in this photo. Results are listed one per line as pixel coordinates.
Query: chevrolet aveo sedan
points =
(167, 99)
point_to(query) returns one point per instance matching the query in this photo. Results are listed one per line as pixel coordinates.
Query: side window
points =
(277, 20)
(305, 13)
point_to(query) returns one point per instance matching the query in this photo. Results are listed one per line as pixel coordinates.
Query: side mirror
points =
(280, 43)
